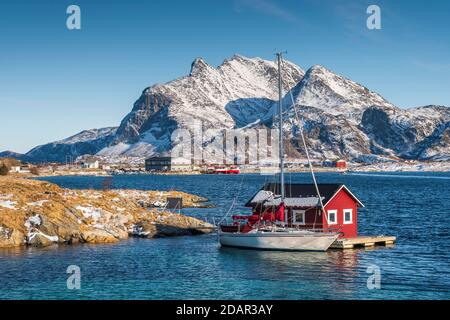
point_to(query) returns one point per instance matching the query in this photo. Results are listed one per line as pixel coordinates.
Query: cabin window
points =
(348, 216)
(299, 216)
(332, 216)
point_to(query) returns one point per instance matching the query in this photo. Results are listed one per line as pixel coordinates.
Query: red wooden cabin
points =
(303, 208)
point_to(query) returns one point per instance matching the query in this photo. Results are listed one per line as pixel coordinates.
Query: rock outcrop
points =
(40, 213)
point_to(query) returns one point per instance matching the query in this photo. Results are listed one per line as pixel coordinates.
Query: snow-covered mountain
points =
(12, 154)
(85, 142)
(237, 93)
(342, 119)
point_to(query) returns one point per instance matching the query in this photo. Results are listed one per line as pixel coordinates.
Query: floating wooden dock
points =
(363, 242)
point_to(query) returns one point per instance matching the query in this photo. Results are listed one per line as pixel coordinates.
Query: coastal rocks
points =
(35, 237)
(158, 199)
(98, 236)
(169, 226)
(10, 238)
(38, 239)
(44, 214)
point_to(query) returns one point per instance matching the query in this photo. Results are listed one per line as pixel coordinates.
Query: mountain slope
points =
(12, 154)
(342, 119)
(235, 94)
(346, 120)
(85, 142)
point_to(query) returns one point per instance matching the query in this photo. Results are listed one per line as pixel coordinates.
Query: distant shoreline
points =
(252, 172)
(391, 167)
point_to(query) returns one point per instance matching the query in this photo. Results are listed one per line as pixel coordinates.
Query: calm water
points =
(415, 207)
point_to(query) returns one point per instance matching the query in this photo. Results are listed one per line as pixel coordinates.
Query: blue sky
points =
(55, 82)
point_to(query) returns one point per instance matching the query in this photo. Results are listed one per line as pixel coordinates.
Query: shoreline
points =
(391, 167)
(410, 170)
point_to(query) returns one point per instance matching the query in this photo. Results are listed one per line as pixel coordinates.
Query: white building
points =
(90, 164)
(24, 168)
(15, 169)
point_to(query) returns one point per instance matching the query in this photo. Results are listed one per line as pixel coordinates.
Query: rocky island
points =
(40, 213)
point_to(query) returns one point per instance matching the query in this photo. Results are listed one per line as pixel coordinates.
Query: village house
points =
(303, 208)
(23, 168)
(90, 163)
(15, 169)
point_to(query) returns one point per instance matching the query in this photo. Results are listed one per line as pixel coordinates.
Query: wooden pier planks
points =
(362, 242)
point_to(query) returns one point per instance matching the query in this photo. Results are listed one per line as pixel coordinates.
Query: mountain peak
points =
(240, 59)
(318, 70)
(326, 90)
(238, 56)
(318, 73)
(318, 67)
(340, 117)
(198, 66)
(11, 154)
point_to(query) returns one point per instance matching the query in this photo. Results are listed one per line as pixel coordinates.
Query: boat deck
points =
(363, 242)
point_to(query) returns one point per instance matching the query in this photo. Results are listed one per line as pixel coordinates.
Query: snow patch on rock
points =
(8, 204)
(37, 203)
(90, 212)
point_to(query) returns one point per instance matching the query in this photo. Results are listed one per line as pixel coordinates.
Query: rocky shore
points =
(39, 213)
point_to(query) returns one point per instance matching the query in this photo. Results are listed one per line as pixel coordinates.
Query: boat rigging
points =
(269, 226)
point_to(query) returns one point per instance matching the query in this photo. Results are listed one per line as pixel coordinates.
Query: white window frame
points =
(335, 217)
(294, 216)
(351, 216)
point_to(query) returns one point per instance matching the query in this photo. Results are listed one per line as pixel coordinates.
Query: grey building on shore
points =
(158, 164)
(167, 164)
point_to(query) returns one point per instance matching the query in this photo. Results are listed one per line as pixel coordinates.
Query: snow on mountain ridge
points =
(236, 93)
(87, 135)
(342, 119)
(198, 66)
(85, 142)
(321, 88)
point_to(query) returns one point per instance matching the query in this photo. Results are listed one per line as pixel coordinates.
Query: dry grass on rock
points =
(41, 213)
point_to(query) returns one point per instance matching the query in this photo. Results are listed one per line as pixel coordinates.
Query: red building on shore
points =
(341, 164)
(303, 208)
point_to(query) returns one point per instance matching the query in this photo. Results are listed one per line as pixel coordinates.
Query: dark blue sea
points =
(415, 207)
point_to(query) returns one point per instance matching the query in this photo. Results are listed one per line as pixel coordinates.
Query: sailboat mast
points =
(280, 115)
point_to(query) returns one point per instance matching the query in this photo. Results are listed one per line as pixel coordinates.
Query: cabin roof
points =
(297, 195)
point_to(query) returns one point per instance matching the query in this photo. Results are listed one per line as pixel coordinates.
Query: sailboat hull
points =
(282, 241)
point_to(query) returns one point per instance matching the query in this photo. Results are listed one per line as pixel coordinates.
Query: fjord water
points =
(415, 207)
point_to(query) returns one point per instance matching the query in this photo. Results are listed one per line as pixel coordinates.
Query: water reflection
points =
(334, 270)
(337, 259)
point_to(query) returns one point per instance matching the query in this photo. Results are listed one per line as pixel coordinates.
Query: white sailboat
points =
(282, 239)
(275, 233)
